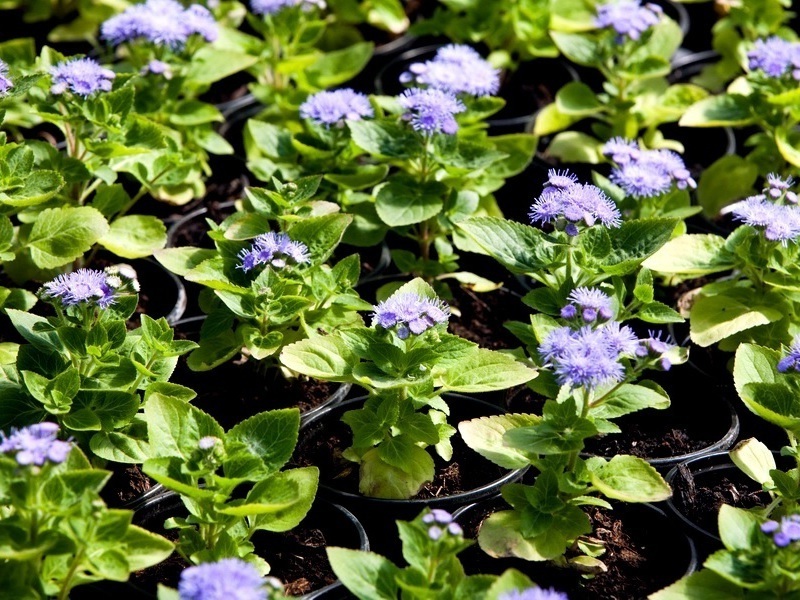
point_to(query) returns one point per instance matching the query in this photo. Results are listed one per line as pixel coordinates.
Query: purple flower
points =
(431, 110)
(457, 69)
(270, 7)
(336, 107)
(162, 22)
(621, 150)
(590, 302)
(575, 203)
(83, 285)
(620, 339)
(791, 362)
(410, 313)
(627, 17)
(272, 249)
(583, 358)
(781, 223)
(533, 593)
(775, 57)
(438, 515)
(227, 579)
(35, 444)
(560, 179)
(785, 532)
(83, 76)
(640, 181)
(5, 83)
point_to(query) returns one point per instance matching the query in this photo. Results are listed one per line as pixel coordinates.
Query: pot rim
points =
(173, 228)
(181, 302)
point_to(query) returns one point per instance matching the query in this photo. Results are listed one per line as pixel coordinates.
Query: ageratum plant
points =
(590, 371)
(85, 369)
(581, 241)
(630, 45)
(226, 578)
(431, 543)
(754, 299)
(57, 532)
(406, 361)
(231, 483)
(268, 290)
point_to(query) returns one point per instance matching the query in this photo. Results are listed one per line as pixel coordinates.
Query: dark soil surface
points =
(126, 484)
(482, 315)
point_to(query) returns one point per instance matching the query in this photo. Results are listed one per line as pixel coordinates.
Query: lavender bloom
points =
(646, 173)
(273, 249)
(575, 203)
(785, 532)
(457, 69)
(336, 107)
(583, 358)
(83, 76)
(590, 302)
(640, 181)
(438, 515)
(627, 17)
(5, 83)
(533, 593)
(791, 362)
(431, 110)
(162, 22)
(620, 339)
(83, 285)
(775, 57)
(35, 444)
(621, 150)
(560, 179)
(781, 223)
(270, 7)
(157, 67)
(410, 313)
(227, 579)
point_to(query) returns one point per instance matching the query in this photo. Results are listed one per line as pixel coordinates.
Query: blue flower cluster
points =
(440, 522)
(35, 444)
(628, 17)
(646, 173)
(533, 593)
(272, 249)
(227, 579)
(589, 303)
(84, 285)
(791, 362)
(431, 110)
(336, 107)
(82, 76)
(775, 57)
(5, 82)
(775, 210)
(784, 532)
(410, 313)
(456, 68)
(270, 7)
(566, 202)
(162, 22)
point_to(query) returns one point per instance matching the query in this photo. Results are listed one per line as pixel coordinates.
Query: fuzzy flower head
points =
(88, 286)
(566, 202)
(646, 173)
(533, 593)
(161, 22)
(35, 444)
(271, 7)
(227, 579)
(82, 76)
(458, 69)
(779, 189)
(791, 362)
(628, 18)
(775, 57)
(336, 107)
(409, 313)
(621, 150)
(590, 304)
(784, 532)
(5, 82)
(440, 524)
(274, 249)
(780, 223)
(431, 110)
(654, 348)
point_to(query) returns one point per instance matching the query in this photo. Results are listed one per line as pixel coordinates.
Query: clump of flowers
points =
(89, 286)
(534, 593)
(458, 69)
(775, 57)
(589, 303)
(410, 313)
(161, 22)
(82, 76)
(270, 7)
(230, 578)
(35, 444)
(273, 249)
(628, 17)
(431, 110)
(567, 204)
(775, 210)
(336, 106)
(791, 362)
(440, 522)
(646, 173)
(783, 532)
(5, 82)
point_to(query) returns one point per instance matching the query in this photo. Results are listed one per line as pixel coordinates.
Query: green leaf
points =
(714, 318)
(628, 478)
(320, 234)
(367, 575)
(388, 139)
(135, 236)
(575, 146)
(787, 142)
(754, 364)
(629, 398)
(334, 68)
(634, 241)
(754, 459)
(578, 48)
(322, 357)
(485, 436)
(693, 254)
(485, 371)
(403, 201)
(119, 447)
(270, 435)
(702, 585)
(550, 120)
(732, 110)
(60, 235)
(379, 479)
(182, 260)
(210, 64)
(775, 403)
(305, 480)
(175, 427)
(143, 549)
(194, 112)
(520, 248)
(727, 179)
(736, 527)
(577, 99)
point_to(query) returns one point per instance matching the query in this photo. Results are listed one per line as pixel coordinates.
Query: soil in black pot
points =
(644, 553)
(126, 484)
(483, 314)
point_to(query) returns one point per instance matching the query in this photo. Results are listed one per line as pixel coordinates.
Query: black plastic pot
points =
(162, 293)
(671, 554)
